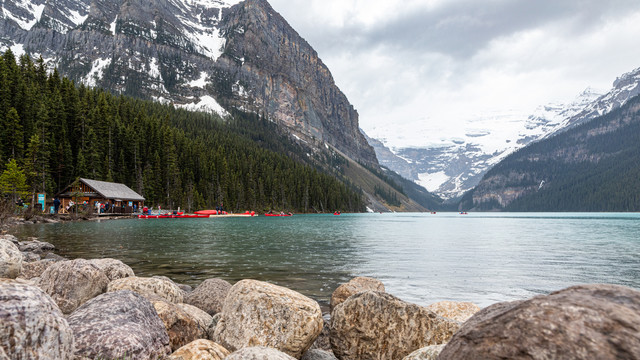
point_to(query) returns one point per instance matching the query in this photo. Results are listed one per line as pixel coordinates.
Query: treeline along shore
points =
(53, 132)
(57, 308)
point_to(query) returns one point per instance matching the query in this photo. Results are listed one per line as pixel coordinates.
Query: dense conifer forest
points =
(56, 132)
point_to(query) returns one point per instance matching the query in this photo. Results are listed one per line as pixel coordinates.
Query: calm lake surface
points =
(421, 258)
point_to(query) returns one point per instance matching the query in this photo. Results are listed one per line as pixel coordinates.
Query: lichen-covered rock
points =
(10, 260)
(120, 324)
(36, 246)
(181, 327)
(149, 287)
(35, 269)
(209, 295)
(258, 353)
(381, 324)
(257, 313)
(31, 324)
(113, 269)
(582, 322)
(202, 319)
(200, 349)
(355, 286)
(317, 354)
(458, 311)
(426, 353)
(71, 283)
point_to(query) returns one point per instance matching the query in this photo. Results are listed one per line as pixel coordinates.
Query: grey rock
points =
(10, 260)
(149, 287)
(36, 246)
(259, 353)
(355, 286)
(31, 325)
(35, 269)
(181, 327)
(113, 269)
(582, 322)
(200, 349)
(257, 313)
(381, 324)
(56, 257)
(209, 295)
(11, 238)
(323, 341)
(120, 324)
(317, 354)
(426, 353)
(30, 257)
(202, 319)
(458, 311)
(71, 283)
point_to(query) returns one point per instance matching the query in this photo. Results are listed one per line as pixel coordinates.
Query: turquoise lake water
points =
(421, 258)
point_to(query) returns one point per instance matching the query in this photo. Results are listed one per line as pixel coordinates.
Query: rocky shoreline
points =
(55, 308)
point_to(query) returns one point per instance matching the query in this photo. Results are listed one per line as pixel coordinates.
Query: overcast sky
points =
(406, 65)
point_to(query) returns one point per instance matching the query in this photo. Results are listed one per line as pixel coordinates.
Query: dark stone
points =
(209, 295)
(581, 322)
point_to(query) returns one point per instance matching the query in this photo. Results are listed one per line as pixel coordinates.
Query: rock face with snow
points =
(449, 163)
(196, 54)
(31, 325)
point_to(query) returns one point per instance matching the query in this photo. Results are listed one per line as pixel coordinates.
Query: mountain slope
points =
(196, 54)
(594, 166)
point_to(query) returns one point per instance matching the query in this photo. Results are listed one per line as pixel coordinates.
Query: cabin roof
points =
(110, 190)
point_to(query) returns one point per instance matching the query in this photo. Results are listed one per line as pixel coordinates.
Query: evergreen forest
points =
(56, 132)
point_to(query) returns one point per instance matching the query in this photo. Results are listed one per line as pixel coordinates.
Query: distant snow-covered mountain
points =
(451, 165)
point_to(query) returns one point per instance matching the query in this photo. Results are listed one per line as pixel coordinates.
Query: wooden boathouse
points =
(119, 198)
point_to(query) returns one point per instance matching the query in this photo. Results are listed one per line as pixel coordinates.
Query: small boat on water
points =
(337, 213)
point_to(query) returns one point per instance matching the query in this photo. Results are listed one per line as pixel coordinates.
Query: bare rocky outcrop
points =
(31, 324)
(259, 353)
(458, 311)
(71, 283)
(149, 287)
(381, 324)
(120, 324)
(113, 269)
(355, 286)
(257, 313)
(581, 322)
(200, 349)
(10, 259)
(181, 327)
(209, 295)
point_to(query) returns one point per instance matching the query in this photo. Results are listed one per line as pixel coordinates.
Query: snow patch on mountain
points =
(97, 72)
(200, 82)
(32, 16)
(205, 103)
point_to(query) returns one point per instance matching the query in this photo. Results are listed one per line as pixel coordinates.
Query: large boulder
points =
(258, 353)
(581, 322)
(181, 327)
(10, 238)
(381, 324)
(317, 354)
(113, 269)
(149, 287)
(200, 349)
(71, 283)
(31, 324)
(209, 295)
(458, 311)
(355, 286)
(10, 259)
(257, 313)
(202, 319)
(119, 325)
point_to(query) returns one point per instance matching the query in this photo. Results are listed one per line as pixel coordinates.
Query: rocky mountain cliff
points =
(590, 167)
(198, 54)
(454, 166)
